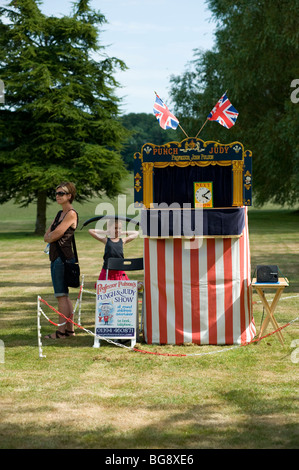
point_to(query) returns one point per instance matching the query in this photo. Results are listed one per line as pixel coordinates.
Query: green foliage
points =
(256, 59)
(144, 128)
(59, 121)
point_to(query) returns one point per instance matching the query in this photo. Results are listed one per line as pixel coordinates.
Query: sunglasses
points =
(60, 193)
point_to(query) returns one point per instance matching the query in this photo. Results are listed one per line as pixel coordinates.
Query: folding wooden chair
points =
(124, 264)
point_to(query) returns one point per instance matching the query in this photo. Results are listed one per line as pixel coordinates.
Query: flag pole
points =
(205, 123)
(179, 123)
(201, 128)
(183, 130)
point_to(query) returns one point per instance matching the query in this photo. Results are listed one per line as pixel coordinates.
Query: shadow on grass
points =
(81, 339)
(37, 286)
(18, 235)
(269, 222)
(20, 267)
(197, 427)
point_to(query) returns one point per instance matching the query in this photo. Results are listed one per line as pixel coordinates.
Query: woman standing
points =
(59, 236)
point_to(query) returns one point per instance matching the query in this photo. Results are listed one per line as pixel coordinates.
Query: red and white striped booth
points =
(198, 291)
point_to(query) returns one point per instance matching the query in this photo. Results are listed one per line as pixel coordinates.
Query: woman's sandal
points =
(58, 335)
(69, 333)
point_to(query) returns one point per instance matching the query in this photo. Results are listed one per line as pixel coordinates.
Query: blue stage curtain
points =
(176, 184)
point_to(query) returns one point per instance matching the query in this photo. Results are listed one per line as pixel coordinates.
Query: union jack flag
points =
(224, 113)
(166, 119)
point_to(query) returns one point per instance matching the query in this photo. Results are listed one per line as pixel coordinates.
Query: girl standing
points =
(113, 246)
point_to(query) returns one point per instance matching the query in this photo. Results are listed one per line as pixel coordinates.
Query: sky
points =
(155, 39)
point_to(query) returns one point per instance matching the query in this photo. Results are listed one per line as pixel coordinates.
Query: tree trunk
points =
(40, 225)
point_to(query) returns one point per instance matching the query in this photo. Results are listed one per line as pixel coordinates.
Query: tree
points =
(60, 118)
(144, 128)
(255, 58)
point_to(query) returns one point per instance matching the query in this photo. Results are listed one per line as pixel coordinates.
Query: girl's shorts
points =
(57, 274)
(113, 275)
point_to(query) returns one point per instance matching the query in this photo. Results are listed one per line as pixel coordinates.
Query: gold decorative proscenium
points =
(193, 152)
(238, 166)
(148, 193)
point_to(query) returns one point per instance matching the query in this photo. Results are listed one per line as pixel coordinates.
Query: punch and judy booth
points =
(194, 197)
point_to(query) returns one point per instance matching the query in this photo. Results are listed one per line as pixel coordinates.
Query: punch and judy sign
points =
(116, 307)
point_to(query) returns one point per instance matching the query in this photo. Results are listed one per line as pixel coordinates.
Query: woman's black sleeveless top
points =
(65, 242)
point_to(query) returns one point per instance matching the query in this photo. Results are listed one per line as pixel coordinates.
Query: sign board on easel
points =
(116, 311)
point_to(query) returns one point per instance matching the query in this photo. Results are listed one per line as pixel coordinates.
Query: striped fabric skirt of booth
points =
(198, 291)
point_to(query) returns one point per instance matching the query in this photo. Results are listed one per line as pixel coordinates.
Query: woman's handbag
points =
(72, 274)
(71, 270)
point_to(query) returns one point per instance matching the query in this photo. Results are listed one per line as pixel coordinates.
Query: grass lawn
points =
(79, 397)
